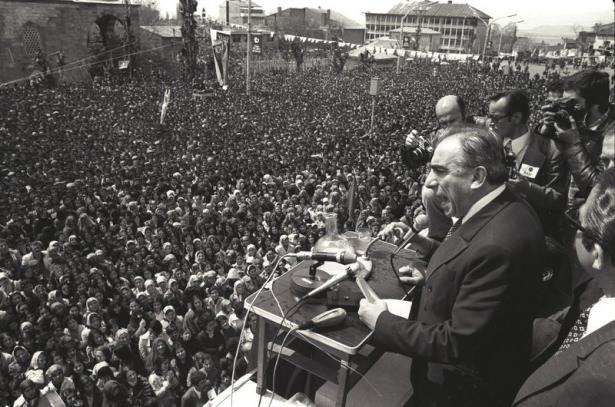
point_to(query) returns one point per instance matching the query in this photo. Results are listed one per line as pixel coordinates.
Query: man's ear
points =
(517, 117)
(479, 177)
(601, 257)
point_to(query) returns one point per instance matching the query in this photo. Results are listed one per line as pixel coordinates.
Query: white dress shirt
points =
(519, 147)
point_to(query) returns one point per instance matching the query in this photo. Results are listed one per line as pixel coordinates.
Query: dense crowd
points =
(128, 247)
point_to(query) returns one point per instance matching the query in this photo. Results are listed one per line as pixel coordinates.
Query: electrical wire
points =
(349, 367)
(51, 72)
(243, 326)
(288, 314)
(275, 366)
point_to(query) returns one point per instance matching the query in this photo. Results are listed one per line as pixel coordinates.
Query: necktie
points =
(510, 159)
(577, 331)
(452, 229)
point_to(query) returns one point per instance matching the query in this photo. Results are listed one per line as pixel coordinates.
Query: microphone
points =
(342, 257)
(336, 279)
(326, 319)
(420, 222)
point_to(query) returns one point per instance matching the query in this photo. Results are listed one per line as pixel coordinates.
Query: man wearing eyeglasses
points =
(540, 174)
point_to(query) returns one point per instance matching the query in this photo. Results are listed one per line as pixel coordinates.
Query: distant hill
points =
(552, 31)
(550, 34)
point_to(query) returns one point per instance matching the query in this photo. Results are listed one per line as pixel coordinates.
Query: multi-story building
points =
(462, 27)
(236, 11)
(315, 23)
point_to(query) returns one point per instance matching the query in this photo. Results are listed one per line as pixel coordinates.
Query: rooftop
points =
(435, 9)
(335, 16)
(606, 29)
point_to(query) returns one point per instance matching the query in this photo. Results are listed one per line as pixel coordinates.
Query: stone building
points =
(315, 23)
(462, 27)
(71, 36)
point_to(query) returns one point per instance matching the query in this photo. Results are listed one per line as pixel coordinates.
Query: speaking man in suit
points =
(469, 330)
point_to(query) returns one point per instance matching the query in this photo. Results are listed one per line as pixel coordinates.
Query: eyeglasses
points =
(496, 118)
(587, 237)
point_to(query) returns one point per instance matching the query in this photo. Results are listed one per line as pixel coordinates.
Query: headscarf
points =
(34, 362)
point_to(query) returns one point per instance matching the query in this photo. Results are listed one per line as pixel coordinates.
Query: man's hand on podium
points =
(411, 275)
(370, 311)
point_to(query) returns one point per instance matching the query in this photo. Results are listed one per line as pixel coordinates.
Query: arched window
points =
(30, 40)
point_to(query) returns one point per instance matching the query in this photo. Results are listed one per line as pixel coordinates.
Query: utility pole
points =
(248, 48)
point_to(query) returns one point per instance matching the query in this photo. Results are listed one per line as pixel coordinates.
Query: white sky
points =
(533, 12)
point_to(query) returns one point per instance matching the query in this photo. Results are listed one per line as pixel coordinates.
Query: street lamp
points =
(488, 25)
(502, 31)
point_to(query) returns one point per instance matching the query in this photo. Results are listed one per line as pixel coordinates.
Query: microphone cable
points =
(286, 315)
(392, 257)
(245, 320)
(277, 359)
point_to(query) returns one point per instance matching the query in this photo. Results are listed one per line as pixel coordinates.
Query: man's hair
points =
(480, 148)
(517, 101)
(555, 86)
(599, 216)
(592, 85)
(197, 377)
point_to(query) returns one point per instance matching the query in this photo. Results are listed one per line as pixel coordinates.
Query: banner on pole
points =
(220, 42)
(165, 104)
(257, 43)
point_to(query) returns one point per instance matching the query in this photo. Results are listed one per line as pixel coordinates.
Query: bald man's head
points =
(450, 110)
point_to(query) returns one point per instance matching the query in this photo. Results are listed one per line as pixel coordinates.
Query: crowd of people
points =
(128, 247)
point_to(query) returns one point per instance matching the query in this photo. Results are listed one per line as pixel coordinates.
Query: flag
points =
(165, 104)
(257, 40)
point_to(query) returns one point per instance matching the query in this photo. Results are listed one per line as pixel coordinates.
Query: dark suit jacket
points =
(582, 375)
(469, 331)
(548, 176)
(191, 399)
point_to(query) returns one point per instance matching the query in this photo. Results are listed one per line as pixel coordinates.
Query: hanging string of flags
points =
(290, 37)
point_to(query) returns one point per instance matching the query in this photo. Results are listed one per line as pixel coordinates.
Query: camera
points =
(417, 151)
(563, 109)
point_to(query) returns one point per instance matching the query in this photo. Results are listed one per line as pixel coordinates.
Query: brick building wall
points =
(55, 25)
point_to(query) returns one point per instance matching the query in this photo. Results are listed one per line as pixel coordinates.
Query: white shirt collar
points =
(600, 314)
(519, 144)
(484, 201)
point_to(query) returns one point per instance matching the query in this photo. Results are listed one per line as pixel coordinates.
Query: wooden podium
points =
(346, 343)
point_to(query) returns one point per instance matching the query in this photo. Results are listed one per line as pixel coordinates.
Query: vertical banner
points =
(165, 104)
(220, 42)
(257, 43)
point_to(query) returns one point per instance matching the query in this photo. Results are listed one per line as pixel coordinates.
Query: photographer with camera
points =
(417, 151)
(537, 171)
(578, 123)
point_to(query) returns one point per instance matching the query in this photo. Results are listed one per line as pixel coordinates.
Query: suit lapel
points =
(460, 240)
(562, 365)
(446, 252)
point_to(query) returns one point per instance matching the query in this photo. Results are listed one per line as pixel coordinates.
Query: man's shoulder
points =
(510, 218)
(189, 394)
